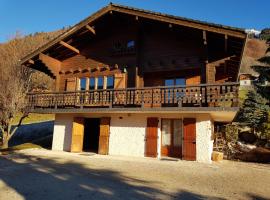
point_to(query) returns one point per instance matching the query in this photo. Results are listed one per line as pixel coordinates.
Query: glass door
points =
(171, 137)
(171, 95)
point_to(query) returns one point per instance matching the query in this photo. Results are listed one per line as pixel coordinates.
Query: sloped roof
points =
(212, 27)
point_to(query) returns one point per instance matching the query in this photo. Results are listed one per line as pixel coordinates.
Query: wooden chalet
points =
(140, 83)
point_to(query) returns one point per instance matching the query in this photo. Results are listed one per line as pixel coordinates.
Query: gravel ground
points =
(43, 174)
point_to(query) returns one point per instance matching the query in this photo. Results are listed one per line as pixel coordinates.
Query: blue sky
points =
(30, 16)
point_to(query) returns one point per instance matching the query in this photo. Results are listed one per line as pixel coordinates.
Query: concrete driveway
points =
(43, 174)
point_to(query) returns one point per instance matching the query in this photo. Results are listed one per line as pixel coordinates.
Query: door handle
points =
(194, 142)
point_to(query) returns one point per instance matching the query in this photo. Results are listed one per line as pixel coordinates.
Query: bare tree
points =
(15, 81)
(14, 84)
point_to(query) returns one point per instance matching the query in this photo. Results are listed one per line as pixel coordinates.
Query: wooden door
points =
(151, 137)
(104, 134)
(77, 134)
(189, 139)
(120, 81)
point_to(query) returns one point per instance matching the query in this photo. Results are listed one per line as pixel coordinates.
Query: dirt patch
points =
(261, 155)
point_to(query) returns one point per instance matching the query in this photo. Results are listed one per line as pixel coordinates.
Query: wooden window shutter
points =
(77, 134)
(104, 134)
(193, 80)
(120, 81)
(71, 84)
(151, 137)
(189, 139)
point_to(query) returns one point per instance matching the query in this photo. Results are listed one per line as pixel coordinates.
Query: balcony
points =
(203, 97)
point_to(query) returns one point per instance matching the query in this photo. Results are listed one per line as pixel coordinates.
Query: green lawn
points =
(33, 118)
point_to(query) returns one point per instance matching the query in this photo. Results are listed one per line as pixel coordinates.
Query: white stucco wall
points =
(204, 142)
(246, 82)
(62, 132)
(127, 135)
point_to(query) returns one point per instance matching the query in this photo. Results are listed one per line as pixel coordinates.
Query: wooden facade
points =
(141, 48)
(140, 51)
(125, 59)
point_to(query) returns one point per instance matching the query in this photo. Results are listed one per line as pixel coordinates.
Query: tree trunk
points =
(5, 141)
(5, 145)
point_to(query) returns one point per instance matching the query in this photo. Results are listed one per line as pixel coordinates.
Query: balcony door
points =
(171, 137)
(175, 81)
(171, 96)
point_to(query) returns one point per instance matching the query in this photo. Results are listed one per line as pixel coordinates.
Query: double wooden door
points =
(179, 138)
(78, 135)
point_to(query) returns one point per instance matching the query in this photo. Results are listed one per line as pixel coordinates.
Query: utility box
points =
(217, 156)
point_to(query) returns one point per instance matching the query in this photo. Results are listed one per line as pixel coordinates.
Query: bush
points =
(231, 132)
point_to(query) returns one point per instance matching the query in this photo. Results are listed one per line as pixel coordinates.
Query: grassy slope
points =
(34, 118)
(19, 147)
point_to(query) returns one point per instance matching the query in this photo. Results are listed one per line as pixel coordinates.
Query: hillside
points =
(254, 50)
(20, 46)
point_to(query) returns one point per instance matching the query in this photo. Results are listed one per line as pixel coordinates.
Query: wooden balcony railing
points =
(204, 95)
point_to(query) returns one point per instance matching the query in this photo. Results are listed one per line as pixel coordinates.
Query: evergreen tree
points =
(254, 113)
(263, 83)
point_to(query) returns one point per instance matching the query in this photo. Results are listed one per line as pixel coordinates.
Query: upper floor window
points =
(110, 82)
(83, 83)
(100, 83)
(175, 81)
(92, 83)
(123, 47)
(130, 44)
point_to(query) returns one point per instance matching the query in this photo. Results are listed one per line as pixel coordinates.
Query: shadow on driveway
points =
(38, 178)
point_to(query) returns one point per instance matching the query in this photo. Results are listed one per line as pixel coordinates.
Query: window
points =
(180, 81)
(172, 95)
(100, 83)
(110, 82)
(169, 82)
(92, 83)
(175, 81)
(83, 84)
(130, 44)
(171, 132)
(166, 132)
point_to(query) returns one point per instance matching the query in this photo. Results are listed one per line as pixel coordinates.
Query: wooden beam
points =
(226, 43)
(69, 47)
(97, 68)
(204, 38)
(187, 23)
(31, 61)
(205, 69)
(91, 29)
(52, 64)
